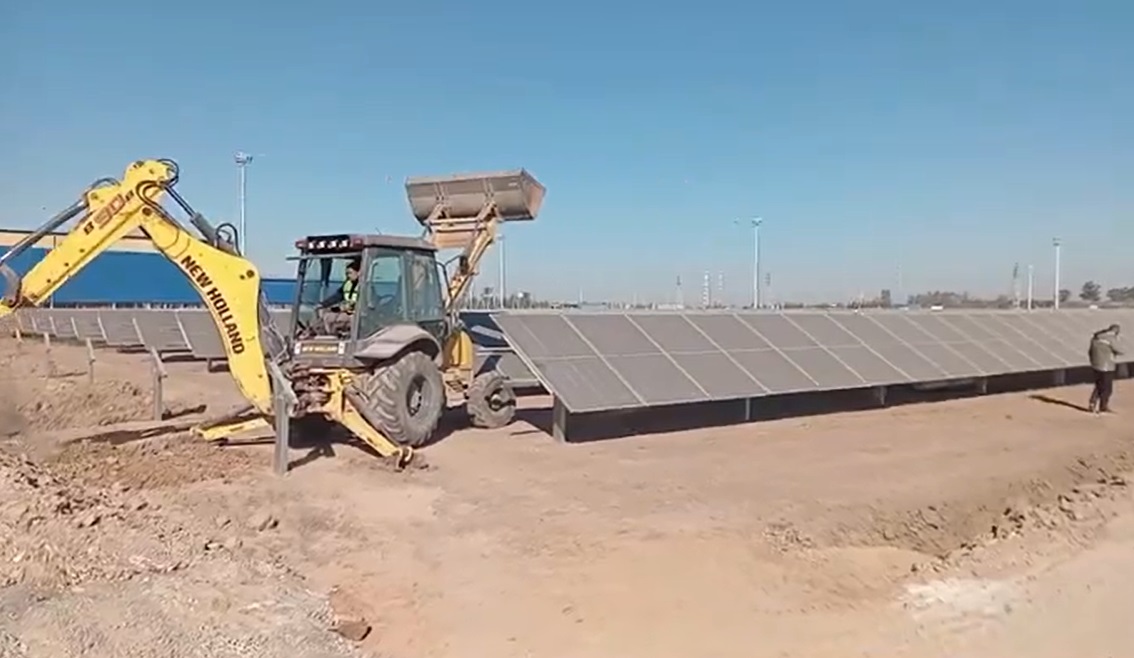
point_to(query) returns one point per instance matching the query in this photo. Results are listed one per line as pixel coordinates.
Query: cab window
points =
(425, 288)
(385, 304)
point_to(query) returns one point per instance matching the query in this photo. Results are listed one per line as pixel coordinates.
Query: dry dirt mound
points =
(152, 464)
(57, 403)
(950, 524)
(54, 533)
(111, 571)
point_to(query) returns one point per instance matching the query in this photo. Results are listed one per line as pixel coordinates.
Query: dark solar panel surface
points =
(192, 331)
(603, 361)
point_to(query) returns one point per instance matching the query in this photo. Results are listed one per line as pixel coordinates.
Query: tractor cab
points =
(376, 319)
(355, 288)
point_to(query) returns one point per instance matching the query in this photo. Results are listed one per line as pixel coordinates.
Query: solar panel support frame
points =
(560, 420)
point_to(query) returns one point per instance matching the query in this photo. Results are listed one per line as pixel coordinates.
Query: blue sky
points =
(947, 140)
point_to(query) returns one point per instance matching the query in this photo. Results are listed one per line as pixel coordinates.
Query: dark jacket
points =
(1104, 351)
(347, 294)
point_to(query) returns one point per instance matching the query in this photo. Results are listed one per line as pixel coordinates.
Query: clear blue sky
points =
(948, 139)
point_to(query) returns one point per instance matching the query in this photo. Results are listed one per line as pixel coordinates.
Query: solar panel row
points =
(191, 331)
(606, 361)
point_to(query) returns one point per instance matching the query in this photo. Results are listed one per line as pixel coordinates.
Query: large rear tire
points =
(408, 398)
(491, 402)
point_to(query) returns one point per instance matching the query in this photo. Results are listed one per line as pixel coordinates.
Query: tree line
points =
(1092, 292)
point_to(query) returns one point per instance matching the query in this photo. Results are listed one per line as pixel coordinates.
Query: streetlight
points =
(1031, 284)
(1058, 244)
(242, 161)
(755, 223)
(503, 285)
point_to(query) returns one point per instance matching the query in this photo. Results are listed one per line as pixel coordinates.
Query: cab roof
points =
(358, 241)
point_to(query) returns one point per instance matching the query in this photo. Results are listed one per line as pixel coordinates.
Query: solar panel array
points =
(192, 332)
(605, 361)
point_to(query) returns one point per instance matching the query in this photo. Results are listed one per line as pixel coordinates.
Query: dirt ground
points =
(993, 527)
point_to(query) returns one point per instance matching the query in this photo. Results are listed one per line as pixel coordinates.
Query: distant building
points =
(131, 272)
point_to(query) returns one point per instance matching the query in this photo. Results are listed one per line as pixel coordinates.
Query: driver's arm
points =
(334, 299)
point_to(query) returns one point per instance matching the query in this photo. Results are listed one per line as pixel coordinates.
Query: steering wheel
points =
(384, 300)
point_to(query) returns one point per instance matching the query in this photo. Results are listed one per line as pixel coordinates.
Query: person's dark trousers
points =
(1104, 386)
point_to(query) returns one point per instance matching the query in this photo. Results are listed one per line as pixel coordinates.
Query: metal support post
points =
(157, 368)
(90, 362)
(47, 354)
(559, 419)
(283, 401)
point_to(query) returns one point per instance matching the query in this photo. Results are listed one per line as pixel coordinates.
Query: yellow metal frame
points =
(228, 284)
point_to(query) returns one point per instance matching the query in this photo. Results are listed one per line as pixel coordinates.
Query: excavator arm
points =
(229, 285)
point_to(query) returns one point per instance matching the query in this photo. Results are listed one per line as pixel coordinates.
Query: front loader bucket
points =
(453, 208)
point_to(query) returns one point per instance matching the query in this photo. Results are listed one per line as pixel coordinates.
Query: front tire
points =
(491, 402)
(408, 398)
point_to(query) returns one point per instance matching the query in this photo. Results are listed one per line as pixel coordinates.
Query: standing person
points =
(1103, 354)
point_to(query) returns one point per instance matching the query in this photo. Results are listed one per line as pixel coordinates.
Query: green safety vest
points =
(350, 292)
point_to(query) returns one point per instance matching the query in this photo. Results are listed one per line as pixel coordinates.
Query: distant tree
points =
(1091, 292)
(1122, 295)
(1064, 295)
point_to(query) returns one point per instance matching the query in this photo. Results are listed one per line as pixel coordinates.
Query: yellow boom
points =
(111, 210)
(228, 284)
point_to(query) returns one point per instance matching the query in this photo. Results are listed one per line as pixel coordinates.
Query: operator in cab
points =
(1103, 354)
(337, 309)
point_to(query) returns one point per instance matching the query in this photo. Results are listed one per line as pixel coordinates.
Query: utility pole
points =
(1058, 244)
(242, 161)
(503, 272)
(755, 223)
(756, 301)
(1016, 286)
(1031, 284)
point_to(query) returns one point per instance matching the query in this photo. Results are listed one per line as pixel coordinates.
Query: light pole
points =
(242, 161)
(503, 272)
(1058, 244)
(1031, 284)
(755, 223)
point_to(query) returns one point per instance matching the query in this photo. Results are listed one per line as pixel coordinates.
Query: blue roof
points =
(135, 278)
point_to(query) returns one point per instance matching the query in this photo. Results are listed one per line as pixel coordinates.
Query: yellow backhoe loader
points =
(375, 343)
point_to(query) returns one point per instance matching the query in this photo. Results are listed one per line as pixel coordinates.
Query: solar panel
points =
(88, 326)
(483, 330)
(719, 375)
(941, 355)
(1058, 341)
(587, 383)
(603, 361)
(193, 331)
(1002, 356)
(778, 331)
(34, 326)
(120, 329)
(507, 364)
(62, 321)
(161, 331)
(1061, 347)
(941, 331)
(281, 317)
(201, 332)
(901, 356)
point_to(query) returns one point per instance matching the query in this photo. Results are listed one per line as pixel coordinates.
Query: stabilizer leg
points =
(224, 428)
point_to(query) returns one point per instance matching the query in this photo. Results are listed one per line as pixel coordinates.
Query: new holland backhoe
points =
(375, 343)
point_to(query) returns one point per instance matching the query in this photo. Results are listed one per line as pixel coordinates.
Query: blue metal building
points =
(130, 273)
